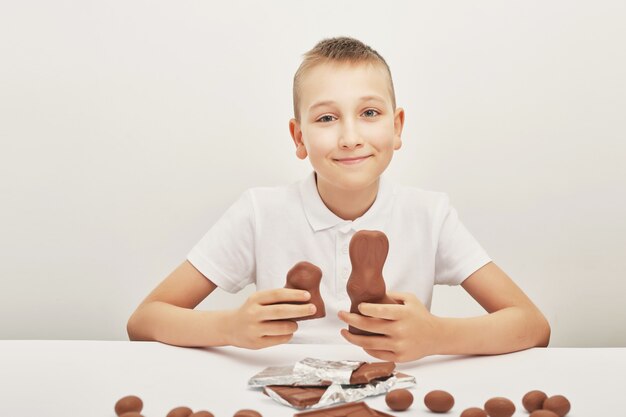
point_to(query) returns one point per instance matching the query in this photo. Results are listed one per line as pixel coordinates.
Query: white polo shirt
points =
(269, 229)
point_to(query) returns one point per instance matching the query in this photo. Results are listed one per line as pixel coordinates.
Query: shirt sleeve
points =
(458, 253)
(226, 254)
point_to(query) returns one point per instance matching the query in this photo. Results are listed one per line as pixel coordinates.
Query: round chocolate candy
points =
(533, 400)
(439, 401)
(558, 404)
(128, 403)
(399, 399)
(474, 412)
(543, 413)
(131, 414)
(247, 413)
(180, 412)
(499, 407)
(201, 413)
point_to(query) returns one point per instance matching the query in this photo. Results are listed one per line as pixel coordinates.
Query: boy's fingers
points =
(367, 342)
(369, 324)
(279, 328)
(404, 297)
(267, 341)
(383, 311)
(285, 311)
(384, 355)
(280, 295)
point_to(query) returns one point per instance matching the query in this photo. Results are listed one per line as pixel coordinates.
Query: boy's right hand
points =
(264, 319)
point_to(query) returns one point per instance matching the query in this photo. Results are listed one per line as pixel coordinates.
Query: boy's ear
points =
(398, 124)
(296, 135)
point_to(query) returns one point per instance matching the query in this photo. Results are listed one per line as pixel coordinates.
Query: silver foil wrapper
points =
(308, 371)
(334, 374)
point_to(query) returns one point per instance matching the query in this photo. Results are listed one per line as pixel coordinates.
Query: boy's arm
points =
(409, 331)
(513, 323)
(167, 314)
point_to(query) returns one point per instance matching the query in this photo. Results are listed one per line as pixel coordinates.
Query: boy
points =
(347, 123)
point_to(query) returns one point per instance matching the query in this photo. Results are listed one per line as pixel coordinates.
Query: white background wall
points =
(128, 127)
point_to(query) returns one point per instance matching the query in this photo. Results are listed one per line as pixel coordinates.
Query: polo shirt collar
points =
(320, 217)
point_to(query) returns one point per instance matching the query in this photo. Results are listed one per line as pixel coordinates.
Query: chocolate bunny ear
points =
(368, 252)
(306, 276)
(369, 249)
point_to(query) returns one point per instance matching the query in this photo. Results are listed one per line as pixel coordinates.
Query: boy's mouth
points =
(352, 160)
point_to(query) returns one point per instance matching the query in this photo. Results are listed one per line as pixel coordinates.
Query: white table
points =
(86, 378)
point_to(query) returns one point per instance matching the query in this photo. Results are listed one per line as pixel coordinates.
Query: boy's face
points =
(347, 125)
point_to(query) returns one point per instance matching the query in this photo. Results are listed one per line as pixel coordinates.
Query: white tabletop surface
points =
(86, 378)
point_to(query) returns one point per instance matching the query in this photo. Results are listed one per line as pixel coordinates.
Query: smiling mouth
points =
(351, 161)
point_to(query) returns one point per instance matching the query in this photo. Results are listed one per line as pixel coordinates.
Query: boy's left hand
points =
(407, 331)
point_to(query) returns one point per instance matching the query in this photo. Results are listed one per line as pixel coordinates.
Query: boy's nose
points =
(349, 137)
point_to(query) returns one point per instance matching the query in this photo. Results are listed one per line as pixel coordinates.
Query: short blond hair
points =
(341, 50)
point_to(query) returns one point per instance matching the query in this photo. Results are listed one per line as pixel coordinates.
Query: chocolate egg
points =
(247, 413)
(533, 400)
(499, 407)
(439, 401)
(131, 414)
(201, 413)
(557, 403)
(180, 412)
(399, 399)
(474, 412)
(128, 403)
(543, 413)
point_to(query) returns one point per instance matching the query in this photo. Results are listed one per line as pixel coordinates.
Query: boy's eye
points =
(326, 118)
(370, 113)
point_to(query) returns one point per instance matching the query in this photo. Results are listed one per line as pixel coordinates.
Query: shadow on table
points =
(436, 361)
(240, 355)
(260, 358)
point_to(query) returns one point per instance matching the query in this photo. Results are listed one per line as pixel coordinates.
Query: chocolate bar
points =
(299, 397)
(359, 409)
(370, 371)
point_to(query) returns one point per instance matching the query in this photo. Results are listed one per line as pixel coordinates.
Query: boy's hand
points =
(408, 330)
(263, 320)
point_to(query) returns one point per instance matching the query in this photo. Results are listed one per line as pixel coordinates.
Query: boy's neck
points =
(348, 205)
